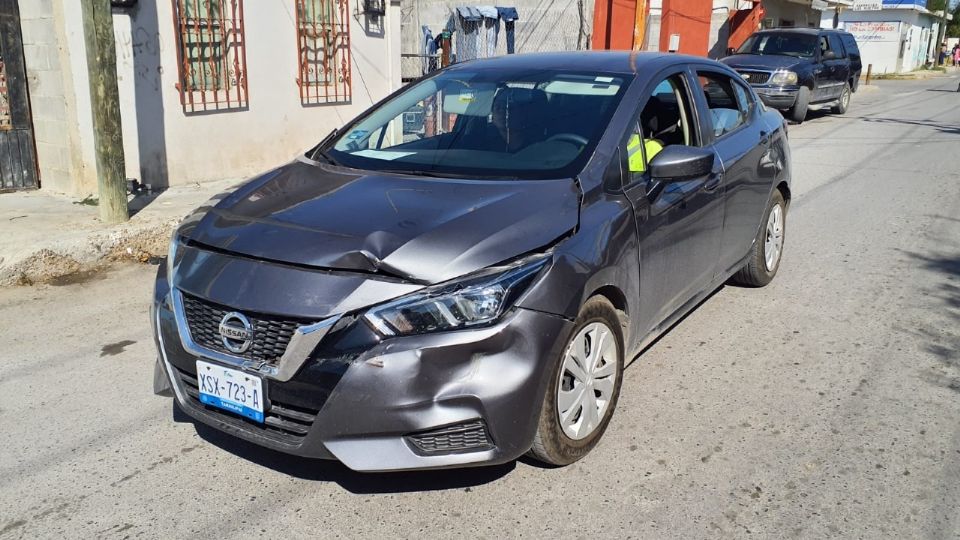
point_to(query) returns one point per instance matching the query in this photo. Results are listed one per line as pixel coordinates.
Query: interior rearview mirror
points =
(677, 162)
(730, 50)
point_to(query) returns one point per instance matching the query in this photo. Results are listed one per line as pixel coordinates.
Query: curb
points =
(141, 244)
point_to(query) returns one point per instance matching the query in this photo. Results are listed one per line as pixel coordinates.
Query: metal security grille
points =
(755, 77)
(211, 54)
(323, 48)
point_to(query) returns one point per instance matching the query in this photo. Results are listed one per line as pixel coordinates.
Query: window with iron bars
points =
(211, 54)
(323, 47)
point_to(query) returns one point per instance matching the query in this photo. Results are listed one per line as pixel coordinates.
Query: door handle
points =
(713, 182)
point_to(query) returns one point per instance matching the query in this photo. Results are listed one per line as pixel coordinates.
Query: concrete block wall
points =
(51, 99)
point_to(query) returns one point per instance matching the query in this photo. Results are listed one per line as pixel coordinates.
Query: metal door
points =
(18, 160)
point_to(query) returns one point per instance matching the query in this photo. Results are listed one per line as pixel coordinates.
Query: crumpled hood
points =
(422, 229)
(761, 61)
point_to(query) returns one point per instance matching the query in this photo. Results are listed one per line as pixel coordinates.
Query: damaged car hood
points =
(421, 229)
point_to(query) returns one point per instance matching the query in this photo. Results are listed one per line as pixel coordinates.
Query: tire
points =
(756, 272)
(843, 102)
(798, 113)
(553, 443)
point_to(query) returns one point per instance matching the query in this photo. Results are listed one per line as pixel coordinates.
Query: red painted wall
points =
(743, 23)
(613, 22)
(690, 19)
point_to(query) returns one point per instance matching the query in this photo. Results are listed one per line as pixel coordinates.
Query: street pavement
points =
(826, 404)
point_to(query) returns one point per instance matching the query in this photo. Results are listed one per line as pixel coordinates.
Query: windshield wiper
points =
(413, 172)
(325, 156)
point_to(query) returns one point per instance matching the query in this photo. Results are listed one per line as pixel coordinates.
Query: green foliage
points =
(953, 27)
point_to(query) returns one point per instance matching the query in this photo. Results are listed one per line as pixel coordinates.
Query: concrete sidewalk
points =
(47, 237)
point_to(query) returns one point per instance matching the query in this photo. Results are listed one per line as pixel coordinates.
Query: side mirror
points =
(676, 163)
(829, 55)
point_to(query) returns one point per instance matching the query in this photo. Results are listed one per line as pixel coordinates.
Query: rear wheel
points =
(798, 113)
(584, 387)
(844, 101)
(764, 259)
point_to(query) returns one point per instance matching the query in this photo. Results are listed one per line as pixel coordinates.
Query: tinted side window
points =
(726, 114)
(850, 44)
(836, 46)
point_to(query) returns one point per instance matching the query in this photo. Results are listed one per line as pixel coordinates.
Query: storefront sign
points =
(873, 31)
(867, 5)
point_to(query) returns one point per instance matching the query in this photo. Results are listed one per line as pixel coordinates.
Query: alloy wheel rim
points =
(588, 377)
(846, 98)
(773, 245)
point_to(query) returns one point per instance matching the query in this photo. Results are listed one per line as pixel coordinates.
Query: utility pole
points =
(942, 31)
(105, 102)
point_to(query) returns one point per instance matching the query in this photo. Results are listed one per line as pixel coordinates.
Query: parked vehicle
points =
(793, 68)
(469, 292)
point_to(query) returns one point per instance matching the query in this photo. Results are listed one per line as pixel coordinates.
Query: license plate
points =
(231, 390)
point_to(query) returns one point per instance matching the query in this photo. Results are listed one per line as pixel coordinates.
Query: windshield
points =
(487, 123)
(784, 44)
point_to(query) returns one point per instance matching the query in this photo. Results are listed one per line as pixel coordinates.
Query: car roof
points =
(605, 61)
(801, 30)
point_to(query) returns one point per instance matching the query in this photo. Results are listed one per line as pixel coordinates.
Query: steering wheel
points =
(570, 138)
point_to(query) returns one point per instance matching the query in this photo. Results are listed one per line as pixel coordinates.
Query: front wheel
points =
(764, 259)
(583, 387)
(798, 113)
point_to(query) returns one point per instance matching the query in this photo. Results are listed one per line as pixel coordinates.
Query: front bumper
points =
(778, 97)
(386, 407)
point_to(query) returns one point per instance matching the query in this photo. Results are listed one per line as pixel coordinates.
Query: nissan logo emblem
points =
(236, 332)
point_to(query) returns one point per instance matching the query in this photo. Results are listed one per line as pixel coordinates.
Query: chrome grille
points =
(755, 77)
(271, 334)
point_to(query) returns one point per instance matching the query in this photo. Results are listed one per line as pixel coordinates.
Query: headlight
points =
(171, 256)
(783, 78)
(479, 299)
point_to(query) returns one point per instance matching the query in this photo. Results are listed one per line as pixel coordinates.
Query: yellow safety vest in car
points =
(635, 156)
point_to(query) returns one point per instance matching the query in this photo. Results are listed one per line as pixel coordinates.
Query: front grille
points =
(271, 334)
(755, 77)
(281, 422)
(469, 436)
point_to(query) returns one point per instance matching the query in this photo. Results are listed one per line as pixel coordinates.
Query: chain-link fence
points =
(414, 66)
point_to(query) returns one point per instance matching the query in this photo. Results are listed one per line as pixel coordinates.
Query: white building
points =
(209, 89)
(901, 36)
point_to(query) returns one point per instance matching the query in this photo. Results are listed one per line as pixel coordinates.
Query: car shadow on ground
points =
(319, 470)
(942, 341)
(950, 129)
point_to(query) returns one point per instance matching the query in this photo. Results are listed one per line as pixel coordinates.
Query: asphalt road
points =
(826, 404)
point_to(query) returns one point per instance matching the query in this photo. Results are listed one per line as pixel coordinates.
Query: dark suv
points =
(793, 68)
